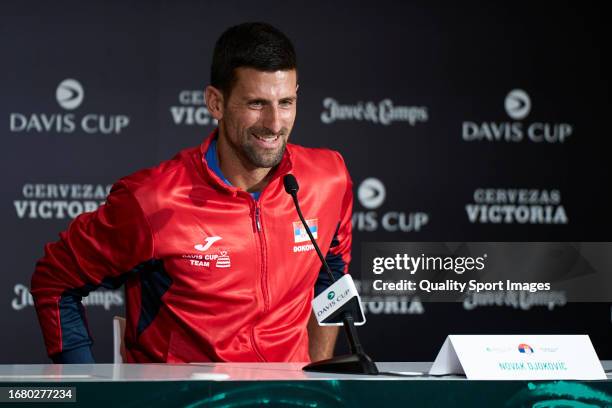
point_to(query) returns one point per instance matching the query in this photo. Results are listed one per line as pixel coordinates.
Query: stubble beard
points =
(257, 157)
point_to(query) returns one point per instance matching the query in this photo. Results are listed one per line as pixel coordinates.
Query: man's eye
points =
(255, 104)
(286, 104)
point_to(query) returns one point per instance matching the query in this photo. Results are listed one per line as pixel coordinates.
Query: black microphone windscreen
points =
(291, 184)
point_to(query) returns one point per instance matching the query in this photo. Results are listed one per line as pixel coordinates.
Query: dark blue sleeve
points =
(336, 264)
(75, 333)
(80, 355)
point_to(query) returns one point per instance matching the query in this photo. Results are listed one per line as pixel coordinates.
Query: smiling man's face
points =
(259, 114)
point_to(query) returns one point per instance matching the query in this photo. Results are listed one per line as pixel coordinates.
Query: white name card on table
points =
(519, 357)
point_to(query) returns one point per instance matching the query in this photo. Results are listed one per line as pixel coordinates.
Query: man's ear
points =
(214, 102)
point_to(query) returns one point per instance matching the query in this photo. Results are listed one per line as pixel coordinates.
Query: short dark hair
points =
(254, 45)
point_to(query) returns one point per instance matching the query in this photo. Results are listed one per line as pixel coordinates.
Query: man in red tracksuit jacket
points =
(216, 265)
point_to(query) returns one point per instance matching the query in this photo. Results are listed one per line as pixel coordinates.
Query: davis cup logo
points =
(371, 193)
(331, 295)
(525, 349)
(517, 104)
(223, 261)
(69, 94)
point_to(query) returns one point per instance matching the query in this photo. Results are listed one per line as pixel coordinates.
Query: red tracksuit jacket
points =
(210, 273)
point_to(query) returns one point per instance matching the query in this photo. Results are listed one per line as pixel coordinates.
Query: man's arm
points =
(95, 250)
(321, 340)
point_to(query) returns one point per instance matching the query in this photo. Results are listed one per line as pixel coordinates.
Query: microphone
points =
(291, 184)
(335, 306)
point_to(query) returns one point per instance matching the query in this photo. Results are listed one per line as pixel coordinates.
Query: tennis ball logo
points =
(517, 104)
(371, 193)
(331, 295)
(69, 94)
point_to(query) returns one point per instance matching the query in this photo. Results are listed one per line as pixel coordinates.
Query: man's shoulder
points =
(316, 164)
(153, 177)
(316, 158)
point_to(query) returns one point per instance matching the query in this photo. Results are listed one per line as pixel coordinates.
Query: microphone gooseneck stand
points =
(357, 362)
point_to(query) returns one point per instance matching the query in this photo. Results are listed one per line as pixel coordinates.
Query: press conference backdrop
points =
(431, 105)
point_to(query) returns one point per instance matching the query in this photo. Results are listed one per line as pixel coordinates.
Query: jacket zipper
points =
(257, 223)
(260, 238)
(264, 266)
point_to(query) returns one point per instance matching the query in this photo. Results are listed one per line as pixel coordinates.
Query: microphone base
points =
(359, 363)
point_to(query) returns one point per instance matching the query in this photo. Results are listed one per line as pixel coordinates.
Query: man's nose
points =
(271, 119)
